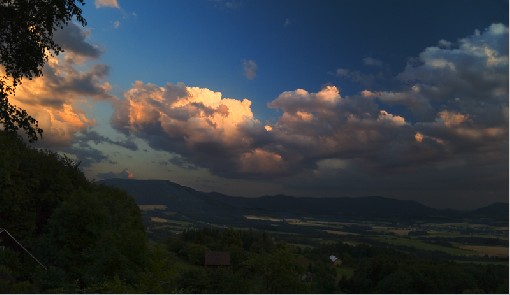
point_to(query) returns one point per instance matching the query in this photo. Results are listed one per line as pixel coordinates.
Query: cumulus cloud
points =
(250, 69)
(205, 128)
(73, 40)
(452, 118)
(470, 79)
(222, 134)
(459, 100)
(324, 125)
(106, 3)
(57, 98)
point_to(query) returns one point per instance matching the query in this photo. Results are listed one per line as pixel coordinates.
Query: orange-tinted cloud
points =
(106, 3)
(206, 128)
(56, 99)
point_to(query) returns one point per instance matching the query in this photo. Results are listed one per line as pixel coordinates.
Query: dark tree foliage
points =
(90, 237)
(26, 41)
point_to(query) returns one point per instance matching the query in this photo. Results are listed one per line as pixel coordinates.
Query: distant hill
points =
(177, 198)
(499, 210)
(214, 206)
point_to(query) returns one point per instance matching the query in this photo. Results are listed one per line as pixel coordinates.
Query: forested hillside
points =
(87, 235)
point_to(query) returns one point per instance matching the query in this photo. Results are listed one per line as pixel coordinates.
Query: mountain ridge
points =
(222, 207)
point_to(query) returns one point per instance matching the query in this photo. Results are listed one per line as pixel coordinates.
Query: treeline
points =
(91, 239)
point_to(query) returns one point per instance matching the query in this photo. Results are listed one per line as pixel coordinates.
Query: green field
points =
(420, 245)
(496, 251)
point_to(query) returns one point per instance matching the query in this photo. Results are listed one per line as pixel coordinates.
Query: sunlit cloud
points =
(261, 162)
(54, 99)
(198, 123)
(70, 83)
(106, 3)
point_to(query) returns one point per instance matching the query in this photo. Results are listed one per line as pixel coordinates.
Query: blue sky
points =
(404, 99)
(294, 43)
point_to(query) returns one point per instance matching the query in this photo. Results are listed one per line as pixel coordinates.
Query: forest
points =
(91, 239)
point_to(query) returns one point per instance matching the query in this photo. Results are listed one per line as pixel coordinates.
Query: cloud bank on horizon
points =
(454, 98)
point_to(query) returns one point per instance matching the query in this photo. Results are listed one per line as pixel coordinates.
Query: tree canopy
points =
(26, 42)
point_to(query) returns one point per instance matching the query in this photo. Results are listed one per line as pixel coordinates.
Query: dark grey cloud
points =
(86, 155)
(90, 135)
(359, 77)
(181, 162)
(72, 38)
(124, 174)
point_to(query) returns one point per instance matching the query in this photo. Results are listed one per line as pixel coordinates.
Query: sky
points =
(402, 99)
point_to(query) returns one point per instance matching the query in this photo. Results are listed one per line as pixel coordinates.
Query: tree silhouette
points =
(26, 42)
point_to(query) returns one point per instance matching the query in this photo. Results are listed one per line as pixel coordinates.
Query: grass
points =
(152, 207)
(483, 262)
(498, 251)
(339, 233)
(344, 272)
(158, 220)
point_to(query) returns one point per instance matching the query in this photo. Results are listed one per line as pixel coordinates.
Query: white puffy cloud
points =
(300, 99)
(106, 3)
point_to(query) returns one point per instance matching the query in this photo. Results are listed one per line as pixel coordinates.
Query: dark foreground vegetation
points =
(91, 239)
